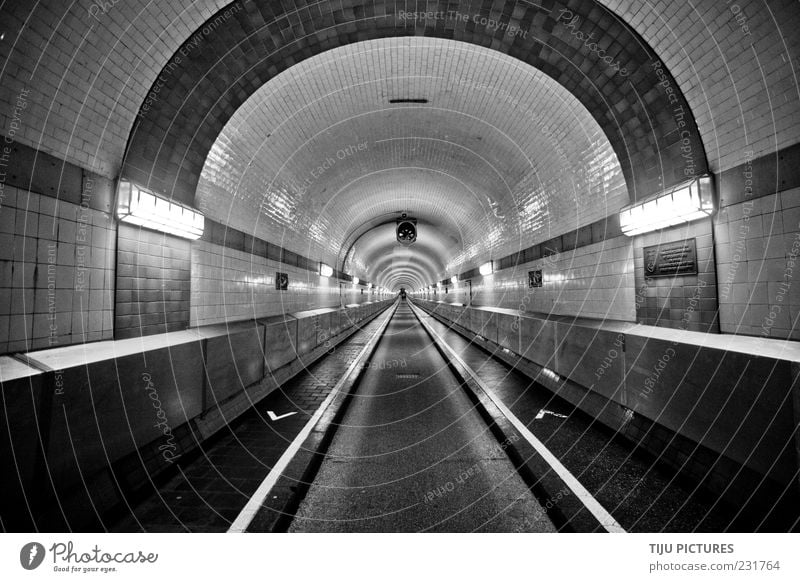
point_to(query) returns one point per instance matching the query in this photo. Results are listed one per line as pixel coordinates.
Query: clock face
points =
(406, 232)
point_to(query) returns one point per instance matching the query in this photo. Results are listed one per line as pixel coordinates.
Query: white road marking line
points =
(248, 513)
(542, 412)
(273, 417)
(600, 513)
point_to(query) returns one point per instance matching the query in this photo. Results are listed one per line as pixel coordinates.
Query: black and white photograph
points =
(510, 273)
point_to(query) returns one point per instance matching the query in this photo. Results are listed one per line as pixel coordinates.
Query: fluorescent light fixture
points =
(684, 203)
(143, 208)
(454, 279)
(548, 373)
(486, 268)
(325, 270)
(356, 280)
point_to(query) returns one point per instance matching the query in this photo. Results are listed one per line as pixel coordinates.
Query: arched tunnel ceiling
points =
(88, 74)
(618, 78)
(500, 157)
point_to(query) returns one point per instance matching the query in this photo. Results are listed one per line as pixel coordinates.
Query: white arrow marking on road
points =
(274, 417)
(542, 412)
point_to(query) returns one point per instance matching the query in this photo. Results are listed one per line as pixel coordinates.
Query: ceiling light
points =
(684, 203)
(454, 279)
(143, 208)
(406, 230)
(325, 270)
(486, 268)
(356, 280)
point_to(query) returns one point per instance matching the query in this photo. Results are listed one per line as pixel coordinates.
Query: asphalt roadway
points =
(413, 455)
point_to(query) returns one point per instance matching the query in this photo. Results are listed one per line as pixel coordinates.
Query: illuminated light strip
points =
(684, 203)
(547, 372)
(598, 511)
(253, 506)
(143, 208)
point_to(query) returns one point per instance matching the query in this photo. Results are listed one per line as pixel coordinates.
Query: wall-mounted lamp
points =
(486, 268)
(684, 203)
(141, 207)
(325, 270)
(548, 373)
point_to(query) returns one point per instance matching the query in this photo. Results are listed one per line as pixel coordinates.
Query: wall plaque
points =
(670, 259)
(281, 281)
(535, 278)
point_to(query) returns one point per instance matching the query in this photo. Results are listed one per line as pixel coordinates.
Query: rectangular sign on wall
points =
(671, 259)
(535, 278)
(281, 281)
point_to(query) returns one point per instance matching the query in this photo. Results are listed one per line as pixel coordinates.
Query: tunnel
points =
(378, 266)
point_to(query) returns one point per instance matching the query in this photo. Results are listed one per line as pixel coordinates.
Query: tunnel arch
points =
(504, 157)
(628, 95)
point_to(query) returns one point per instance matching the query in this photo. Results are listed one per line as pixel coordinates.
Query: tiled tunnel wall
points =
(152, 283)
(748, 289)
(747, 258)
(680, 301)
(606, 281)
(231, 285)
(57, 252)
(164, 283)
(592, 281)
(757, 233)
(71, 274)
(758, 246)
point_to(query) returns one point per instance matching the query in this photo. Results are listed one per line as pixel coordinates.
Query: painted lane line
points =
(253, 506)
(542, 412)
(600, 513)
(273, 417)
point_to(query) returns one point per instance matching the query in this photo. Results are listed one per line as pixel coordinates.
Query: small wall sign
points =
(671, 259)
(281, 281)
(535, 278)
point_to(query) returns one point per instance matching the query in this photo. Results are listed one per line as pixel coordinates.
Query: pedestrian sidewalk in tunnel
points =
(412, 454)
(210, 489)
(641, 495)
